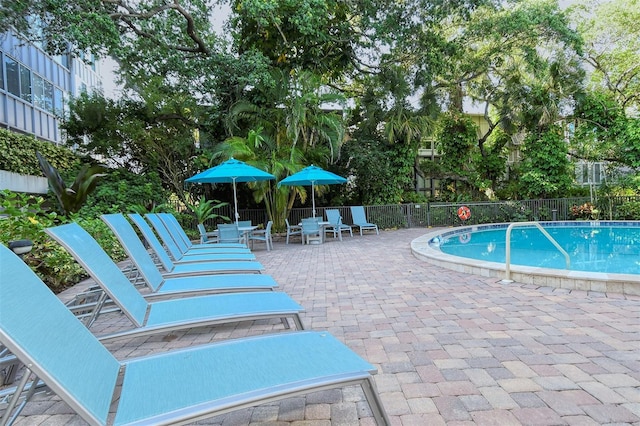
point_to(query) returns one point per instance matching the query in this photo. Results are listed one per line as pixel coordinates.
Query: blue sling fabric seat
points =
(174, 387)
(168, 315)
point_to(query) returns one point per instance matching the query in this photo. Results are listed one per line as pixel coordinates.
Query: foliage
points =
(545, 169)
(205, 209)
(18, 154)
(584, 211)
(120, 189)
(628, 211)
(149, 137)
(612, 47)
(71, 199)
(26, 217)
(604, 132)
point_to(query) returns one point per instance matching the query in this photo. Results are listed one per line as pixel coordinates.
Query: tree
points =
(612, 47)
(545, 168)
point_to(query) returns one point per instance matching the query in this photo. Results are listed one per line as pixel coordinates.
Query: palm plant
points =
(205, 209)
(285, 136)
(71, 199)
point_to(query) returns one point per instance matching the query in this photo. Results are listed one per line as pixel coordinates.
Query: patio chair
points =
(262, 235)
(292, 230)
(360, 220)
(229, 233)
(152, 317)
(311, 230)
(168, 286)
(173, 387)
(336, 227)
(205, 236)
(162, 255)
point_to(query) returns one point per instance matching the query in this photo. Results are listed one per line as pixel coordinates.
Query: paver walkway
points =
(450, 348)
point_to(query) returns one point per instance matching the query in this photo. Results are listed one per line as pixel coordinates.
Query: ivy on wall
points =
(18, 154)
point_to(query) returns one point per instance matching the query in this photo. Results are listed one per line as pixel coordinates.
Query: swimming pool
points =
(604, 256)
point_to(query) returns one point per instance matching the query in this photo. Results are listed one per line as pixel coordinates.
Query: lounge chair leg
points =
(373, 398)
(285, 322)
(7, 418)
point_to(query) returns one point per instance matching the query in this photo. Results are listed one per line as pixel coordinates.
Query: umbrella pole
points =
(235, 201)
(313, 199)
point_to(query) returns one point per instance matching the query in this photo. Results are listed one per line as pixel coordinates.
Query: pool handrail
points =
(507, 276)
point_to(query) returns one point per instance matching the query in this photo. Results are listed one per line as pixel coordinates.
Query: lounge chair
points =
(311, 230)
(120, 225)
(161, 254)
(174, 387)
(336, 227)
(191, 267)
(178, 233)
(168, 315)
(262, 235)
(176, 247)
(167, 286)
(292, 230)
(360, 220)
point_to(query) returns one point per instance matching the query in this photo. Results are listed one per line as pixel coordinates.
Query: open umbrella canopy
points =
(231, 171)
(312, 175)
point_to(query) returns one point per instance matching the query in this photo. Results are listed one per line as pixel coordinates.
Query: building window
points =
(13, 76)
(1, 72)
(42, 93)
(18, 79)
(25, 83)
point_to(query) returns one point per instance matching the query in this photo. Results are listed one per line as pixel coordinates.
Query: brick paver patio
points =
(450, 348)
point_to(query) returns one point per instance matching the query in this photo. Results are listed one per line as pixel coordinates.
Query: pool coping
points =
(423, 249)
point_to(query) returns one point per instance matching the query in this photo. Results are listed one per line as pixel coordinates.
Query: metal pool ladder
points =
(507, 277)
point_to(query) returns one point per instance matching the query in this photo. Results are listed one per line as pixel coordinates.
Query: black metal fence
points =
(446, 214)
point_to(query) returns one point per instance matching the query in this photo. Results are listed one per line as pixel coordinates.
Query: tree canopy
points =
(354, 86)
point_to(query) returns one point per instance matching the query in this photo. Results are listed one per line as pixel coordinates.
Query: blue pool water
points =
(599, 247)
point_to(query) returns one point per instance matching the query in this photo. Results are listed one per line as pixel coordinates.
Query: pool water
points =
(609, 249)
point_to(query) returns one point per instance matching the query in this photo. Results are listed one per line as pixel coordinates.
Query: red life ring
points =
(464, 213)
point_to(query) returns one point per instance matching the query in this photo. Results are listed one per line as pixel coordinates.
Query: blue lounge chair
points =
(168, 315)
(190, 264)
(176, 252)
(119, 225)
(163, 286)
(360, 220)
(182, 239)
(159, 251)
(336, 227)
(169, 388)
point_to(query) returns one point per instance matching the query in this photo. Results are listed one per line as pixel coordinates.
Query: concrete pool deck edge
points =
(422, 249)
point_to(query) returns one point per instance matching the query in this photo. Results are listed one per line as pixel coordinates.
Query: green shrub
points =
(25, 217)
(628, 211)
(18, 154)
